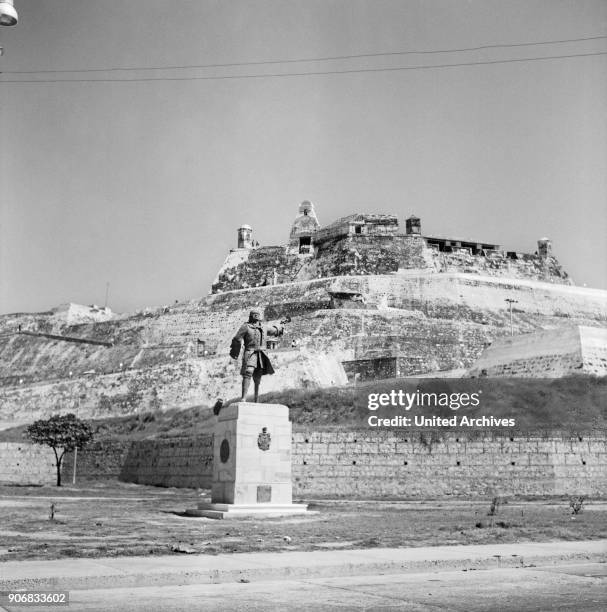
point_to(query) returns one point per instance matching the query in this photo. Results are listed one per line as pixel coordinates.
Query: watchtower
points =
(544, 248)
(245, 233)
(413, 225)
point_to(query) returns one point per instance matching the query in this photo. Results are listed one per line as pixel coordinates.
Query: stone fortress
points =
(372, 244)
(366, 301)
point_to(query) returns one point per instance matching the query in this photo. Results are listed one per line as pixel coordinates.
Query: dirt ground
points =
(119, 519)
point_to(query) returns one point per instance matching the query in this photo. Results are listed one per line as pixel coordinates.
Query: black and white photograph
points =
(303, 305)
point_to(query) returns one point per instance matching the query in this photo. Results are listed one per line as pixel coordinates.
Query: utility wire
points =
(298, 74)
(313, 59)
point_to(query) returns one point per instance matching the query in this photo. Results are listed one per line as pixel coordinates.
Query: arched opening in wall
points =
(305, 242)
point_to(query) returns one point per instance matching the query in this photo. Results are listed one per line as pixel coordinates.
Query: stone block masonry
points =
(438, 321)
(341, 254)
(170, 462)
(359, 464)
(100, 460)
(27, 464)
(424, 464)
(552, 353)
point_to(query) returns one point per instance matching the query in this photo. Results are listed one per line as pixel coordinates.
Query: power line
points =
(298, 74)
(313, 59)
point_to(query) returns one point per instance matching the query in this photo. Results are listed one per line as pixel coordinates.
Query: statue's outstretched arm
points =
(278, 330)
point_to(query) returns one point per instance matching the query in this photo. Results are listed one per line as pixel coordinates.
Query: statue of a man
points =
(255, 362)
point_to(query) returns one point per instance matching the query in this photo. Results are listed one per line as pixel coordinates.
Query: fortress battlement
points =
(369, 244)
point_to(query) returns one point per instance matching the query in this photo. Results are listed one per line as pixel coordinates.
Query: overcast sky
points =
(144, 183)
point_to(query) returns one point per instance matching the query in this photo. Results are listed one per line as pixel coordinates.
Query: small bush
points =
(576, 503)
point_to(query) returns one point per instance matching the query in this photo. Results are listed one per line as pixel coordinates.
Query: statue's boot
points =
(246, 383)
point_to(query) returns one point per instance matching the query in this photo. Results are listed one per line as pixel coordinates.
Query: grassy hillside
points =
(536, 404)
(568, 405)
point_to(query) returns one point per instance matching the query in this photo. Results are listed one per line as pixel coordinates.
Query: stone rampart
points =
(99, 460)
(547, 354)
(260, 267)
(499, 264)
(170, 462)
(594, 350)
(440, 321)
(351, 464)
(23, 463)
(339, 254)
(363, 464)
(189, 382)
(98, 395)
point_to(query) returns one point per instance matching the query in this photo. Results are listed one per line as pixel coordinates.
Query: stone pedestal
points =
(251, 463)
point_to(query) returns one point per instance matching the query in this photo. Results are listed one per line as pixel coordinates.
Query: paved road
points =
(580, 586)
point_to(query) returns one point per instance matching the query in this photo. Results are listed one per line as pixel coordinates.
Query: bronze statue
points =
(255, 361)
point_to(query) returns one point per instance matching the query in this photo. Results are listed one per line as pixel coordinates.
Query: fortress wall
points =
(9, 323)
(189, 382)
(233, 259)
(594, 350)
(170, 462)
(31, 358)
(261, 267)
(23, 463)
(183, 327)
(365, 464)
(369, 254)
(542, 366)
(547, 354)
(451, 296)
(526, 266)
(360, 334)
(364, 255)
(434, 295)
(99, 460)
(295, 291)
(95, 396)
(454, 298)
(165, 462)
(440, 321)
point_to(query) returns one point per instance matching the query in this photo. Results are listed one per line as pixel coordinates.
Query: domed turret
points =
(303, 229)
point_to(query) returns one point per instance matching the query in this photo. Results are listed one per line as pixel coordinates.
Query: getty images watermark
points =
(421, 399)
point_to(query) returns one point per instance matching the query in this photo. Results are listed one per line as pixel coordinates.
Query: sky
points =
(143, 184)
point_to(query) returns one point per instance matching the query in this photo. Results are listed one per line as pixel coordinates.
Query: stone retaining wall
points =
(170, 462)
(350, 464)
(100, 460)
(419, 464)
(384, 464)
(23, 463)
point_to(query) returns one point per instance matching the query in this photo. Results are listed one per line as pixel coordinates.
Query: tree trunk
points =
(58, 464)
